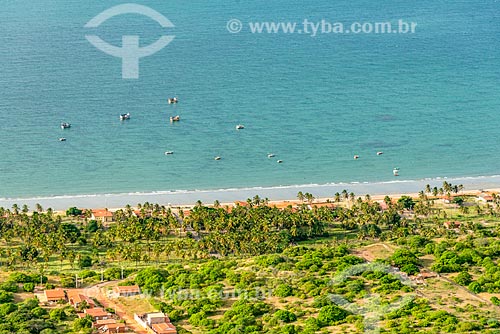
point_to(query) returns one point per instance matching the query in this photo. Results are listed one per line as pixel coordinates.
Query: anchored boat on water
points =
(124, 116)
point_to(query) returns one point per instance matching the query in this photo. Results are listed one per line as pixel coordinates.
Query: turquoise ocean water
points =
(430, 101)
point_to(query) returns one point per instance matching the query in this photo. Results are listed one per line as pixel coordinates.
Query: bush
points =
(285, 316)
(68, 282)
(475, 287)
(85, 261)
(406, 202)
(283, 290)
(57, 314)
(331, 315)
(86, 274)
(6, 297)
(464, 278)
(29, 287)
(9, 287)
(74, 212)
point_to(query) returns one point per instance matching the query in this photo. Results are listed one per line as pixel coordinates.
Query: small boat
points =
(280, 161)
(380, 153)
(173, 100)
(395, 171)
(65, 125)
(217, 158)
(240, 127)
(169, 152)
(356, 157)
(271, 155)
(62, 139)
(175, 118)
(124, 116)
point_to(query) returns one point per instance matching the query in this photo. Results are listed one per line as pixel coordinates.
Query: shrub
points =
(85, 261)
(464, 278)
(74, 212)
(57, 314)
(475, 287)
(331, 315)
(283, 290)
(285, 316)
(6, 297)
(9, 287)
(29, 287)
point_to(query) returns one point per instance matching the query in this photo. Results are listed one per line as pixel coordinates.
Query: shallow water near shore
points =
(429, 101)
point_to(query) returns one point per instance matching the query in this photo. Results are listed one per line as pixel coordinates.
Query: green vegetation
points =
(260, 269)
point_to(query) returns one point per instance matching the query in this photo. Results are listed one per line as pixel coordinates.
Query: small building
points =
(485, 198)
(328, 205)
(102, 215)
(109, 326)
(283, 205)
(241, 203)
(156, 318)
(55, 295)
(76, 299)
(164, 328)
(97, 313)
(126, 291)
(157, 322)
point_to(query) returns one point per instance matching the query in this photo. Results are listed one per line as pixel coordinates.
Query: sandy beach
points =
(186, 198)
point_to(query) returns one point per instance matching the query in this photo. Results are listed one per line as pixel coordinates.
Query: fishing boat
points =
(240, 127)
(280, 161)
(62, 139)
(175, 118)
(169, 152)
(65, 125)
(173, 100)
(356, 157)
(271, 155)
(124, 116)
(380, 153)
(395, 171)
(217, 158)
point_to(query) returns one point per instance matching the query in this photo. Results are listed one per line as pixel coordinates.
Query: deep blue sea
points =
(430, 100)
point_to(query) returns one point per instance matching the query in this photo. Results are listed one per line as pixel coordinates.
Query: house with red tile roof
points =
(97, 313)
(55, 295)
(102, 215)
(126, 291)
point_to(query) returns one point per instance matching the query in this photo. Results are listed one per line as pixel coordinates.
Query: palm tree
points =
(300, 196)
(337, 197)
(38, 208)
(309, 198)
(345, 194)
(428, 188)
(15, 209)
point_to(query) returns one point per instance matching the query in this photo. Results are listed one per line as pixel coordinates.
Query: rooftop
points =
(96, 312)
(164, 328)
(55, 294)
(102, 213)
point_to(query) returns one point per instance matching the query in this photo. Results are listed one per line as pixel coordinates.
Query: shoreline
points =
(274, 194)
